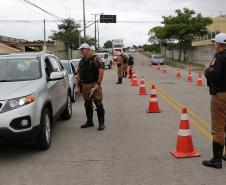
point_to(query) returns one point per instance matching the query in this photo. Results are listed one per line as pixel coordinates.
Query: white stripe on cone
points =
(184, 117)
(184, 132)
(153, 91)
(153, 99)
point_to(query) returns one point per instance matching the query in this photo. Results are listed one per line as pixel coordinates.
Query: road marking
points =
(194, 118)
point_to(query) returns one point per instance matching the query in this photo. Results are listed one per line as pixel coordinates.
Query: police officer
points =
(216, 80)
(119, 61)
(125, 65)
(89, 78)
(130, 64)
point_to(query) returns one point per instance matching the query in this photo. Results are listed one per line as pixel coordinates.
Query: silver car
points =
(75, 62)
(157, 59)
(34, 91)
(72, 74)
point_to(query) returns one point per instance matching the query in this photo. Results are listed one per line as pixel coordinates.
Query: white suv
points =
(34, 91)
(106, 59)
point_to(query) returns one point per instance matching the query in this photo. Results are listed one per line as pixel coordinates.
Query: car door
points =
(52, 86)
(58, 85)
(64, 83)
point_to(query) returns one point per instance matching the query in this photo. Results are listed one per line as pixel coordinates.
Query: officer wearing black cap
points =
(216, 80)
(89, 78)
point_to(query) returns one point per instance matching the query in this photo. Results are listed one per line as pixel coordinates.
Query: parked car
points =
(106, 58)
(72, 74)
(157, 59)
(75, 62)
(34, 91)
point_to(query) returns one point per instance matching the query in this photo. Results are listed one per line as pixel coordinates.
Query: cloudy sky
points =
(135, 17)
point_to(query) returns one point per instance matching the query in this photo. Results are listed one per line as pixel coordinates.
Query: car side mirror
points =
(56, 76)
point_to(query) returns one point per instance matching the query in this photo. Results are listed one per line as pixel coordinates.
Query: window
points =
(55, 65)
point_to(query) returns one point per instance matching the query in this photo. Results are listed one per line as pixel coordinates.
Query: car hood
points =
(10, 90)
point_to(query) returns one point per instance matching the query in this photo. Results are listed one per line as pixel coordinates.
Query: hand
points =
(207, 66)
(96, 86)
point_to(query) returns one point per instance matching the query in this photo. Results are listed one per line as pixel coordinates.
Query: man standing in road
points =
(119, 61)
(130, 63)
(216, 80)
(89, 78)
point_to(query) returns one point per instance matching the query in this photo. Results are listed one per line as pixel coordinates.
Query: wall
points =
(198, 54)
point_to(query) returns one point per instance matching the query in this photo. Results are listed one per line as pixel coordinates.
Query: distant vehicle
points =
(106, 58)
(117, 46)
(157, 59)
(72, 74)
(132, 50)
(34, 91)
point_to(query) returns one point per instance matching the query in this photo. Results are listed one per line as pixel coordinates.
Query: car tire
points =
(110, 66)
(66, 114)
(73, 98)
(43, 141)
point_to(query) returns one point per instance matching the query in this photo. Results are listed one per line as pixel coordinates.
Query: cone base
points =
(184, 155)
(142, 94)
(148, 111)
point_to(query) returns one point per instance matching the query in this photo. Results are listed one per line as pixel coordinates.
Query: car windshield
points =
(67, 67)
(158, 56)
(21, 69)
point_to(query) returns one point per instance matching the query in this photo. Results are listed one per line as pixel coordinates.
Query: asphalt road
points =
(134, 149)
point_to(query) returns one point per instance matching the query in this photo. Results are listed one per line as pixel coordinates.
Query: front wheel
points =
(73, 98)
(43, 141)
(66, 114)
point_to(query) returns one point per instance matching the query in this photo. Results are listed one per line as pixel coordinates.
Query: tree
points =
(108, 44)
(68, 33)
(159, 36)
(183, 27)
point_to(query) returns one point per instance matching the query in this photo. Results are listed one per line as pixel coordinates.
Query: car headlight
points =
(19, 102)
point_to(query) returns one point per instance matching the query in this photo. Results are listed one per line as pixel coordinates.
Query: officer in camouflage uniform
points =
(119, 61)
(216, 80)
(90, 75)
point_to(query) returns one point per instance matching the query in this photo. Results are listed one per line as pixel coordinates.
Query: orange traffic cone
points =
(164, 69)
(189, 76)
(184, 146)
(199, 81)
(153, 104)
(158, 67)
(178, 72)
(134, 82)
(142, 90)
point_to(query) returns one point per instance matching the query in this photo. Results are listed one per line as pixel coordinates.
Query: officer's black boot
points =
(119, 81)
(216, 161)
(89, 115)
(224, 156)
(100, 114)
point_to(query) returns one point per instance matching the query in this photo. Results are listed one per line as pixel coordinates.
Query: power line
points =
(47, 12)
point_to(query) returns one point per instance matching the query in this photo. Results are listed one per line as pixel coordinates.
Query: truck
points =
(117, 46)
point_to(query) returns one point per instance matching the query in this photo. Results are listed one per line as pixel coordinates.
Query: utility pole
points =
(84, 20)
(95, 32)
(44, 46)
(98, 35)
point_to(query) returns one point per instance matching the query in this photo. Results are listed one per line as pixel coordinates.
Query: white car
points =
(157, 59)
(106, 58)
